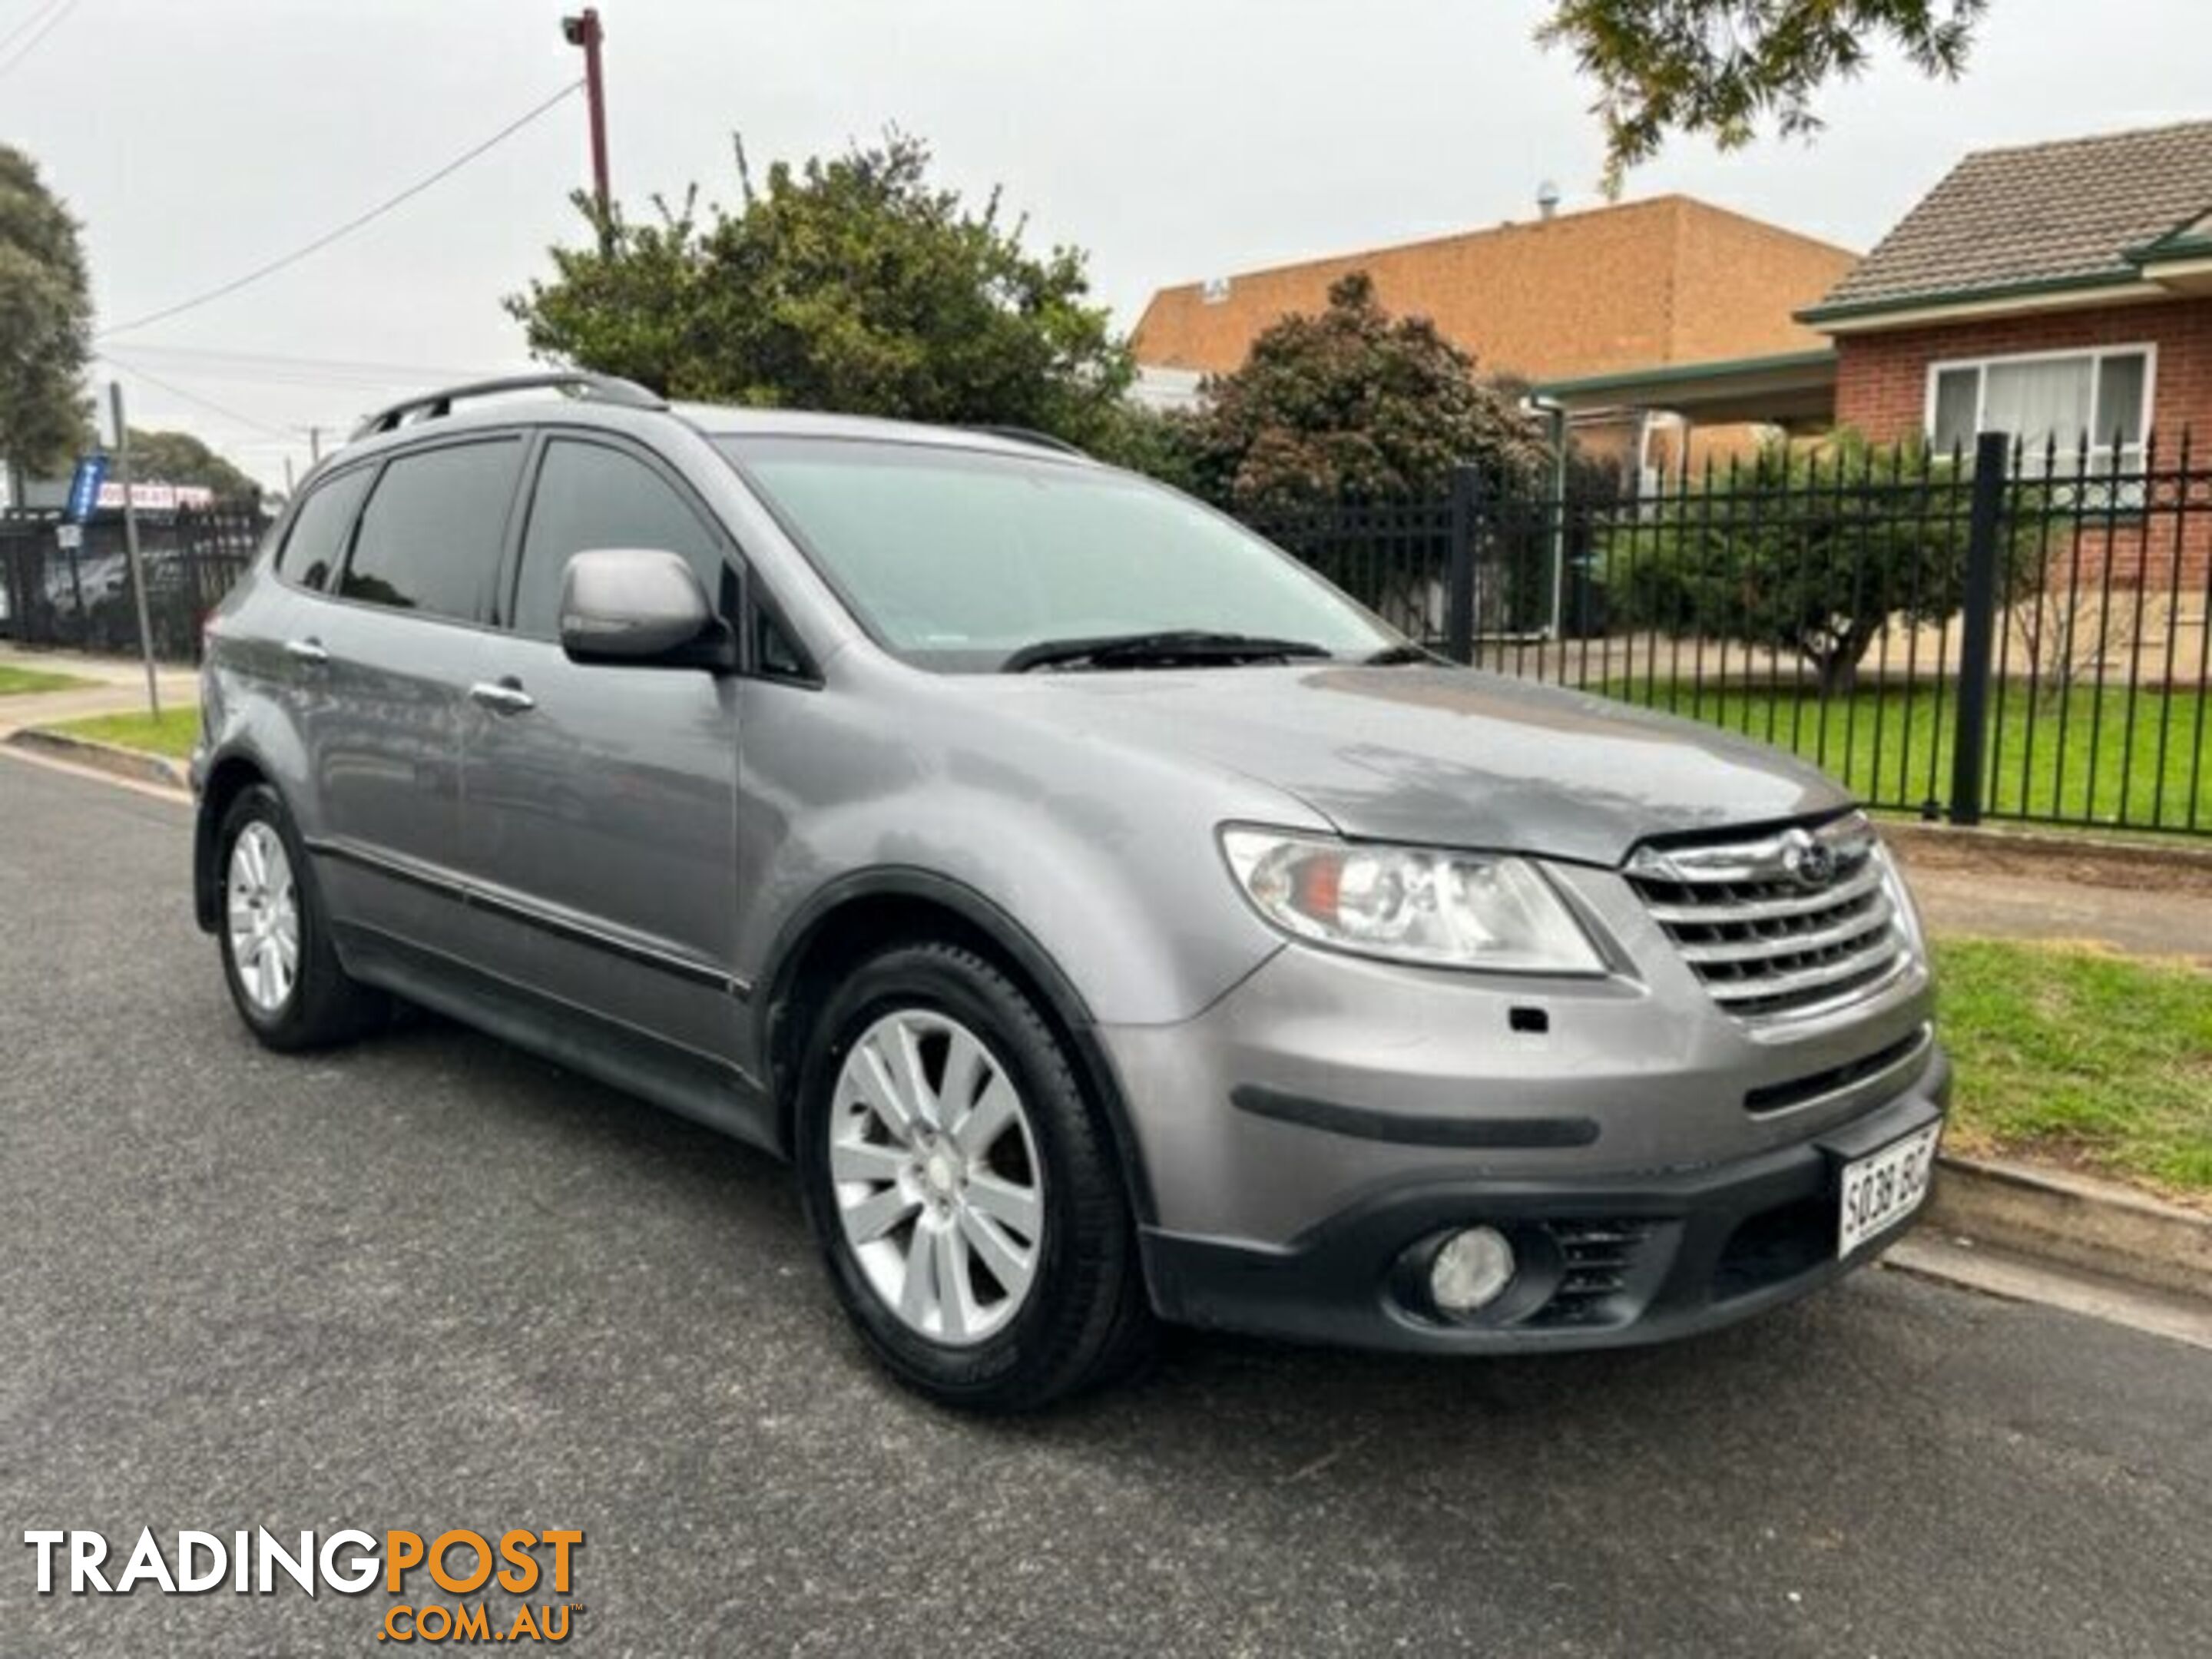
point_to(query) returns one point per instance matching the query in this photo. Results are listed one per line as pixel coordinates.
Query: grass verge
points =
(172, 735)
(2081, 1056)
(23, 681)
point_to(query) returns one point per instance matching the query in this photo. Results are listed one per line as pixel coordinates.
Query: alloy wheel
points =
(263, 905)
(938, 1183)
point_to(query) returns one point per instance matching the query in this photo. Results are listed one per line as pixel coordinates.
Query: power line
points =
(347, 228)
(284, 374)
(32, 14)
(53, 19)
(276, 369)
(218, 357)
(208, 404)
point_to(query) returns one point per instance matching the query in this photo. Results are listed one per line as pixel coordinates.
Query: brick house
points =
(1663, 281)
(2061, 292)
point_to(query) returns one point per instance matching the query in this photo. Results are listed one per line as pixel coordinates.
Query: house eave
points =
(2020, 299)
(2181, 267)
(1781, 388)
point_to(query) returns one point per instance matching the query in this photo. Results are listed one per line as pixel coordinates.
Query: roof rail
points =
(1023, 435)
(431, 406)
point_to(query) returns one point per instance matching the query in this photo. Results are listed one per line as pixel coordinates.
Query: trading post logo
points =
(521, 1564)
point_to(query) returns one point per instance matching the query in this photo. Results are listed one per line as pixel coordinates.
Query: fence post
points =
(1977, 626)
(1459, 591)
(83, 640)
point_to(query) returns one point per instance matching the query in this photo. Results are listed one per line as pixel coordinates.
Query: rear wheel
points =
(277, 956)
(964, 1190)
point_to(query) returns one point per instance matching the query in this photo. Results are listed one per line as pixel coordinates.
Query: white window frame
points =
(2099, 447)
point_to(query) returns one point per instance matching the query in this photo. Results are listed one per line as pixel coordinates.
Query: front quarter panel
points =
(1104, 856)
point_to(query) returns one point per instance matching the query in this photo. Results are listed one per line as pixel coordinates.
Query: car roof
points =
(736, 421)
(543, 407)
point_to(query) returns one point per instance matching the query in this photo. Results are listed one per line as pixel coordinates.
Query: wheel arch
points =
(230, 775)
(860, 912)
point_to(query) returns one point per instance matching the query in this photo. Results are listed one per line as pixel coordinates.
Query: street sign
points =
(71, 535)
(84, 487)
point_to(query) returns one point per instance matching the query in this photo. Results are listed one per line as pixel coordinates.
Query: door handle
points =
(308, 651)
(504, 697)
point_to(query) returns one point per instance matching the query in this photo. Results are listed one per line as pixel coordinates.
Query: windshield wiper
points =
(1405, 651)
(1172, 649)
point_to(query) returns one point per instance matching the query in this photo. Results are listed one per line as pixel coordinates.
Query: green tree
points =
(1806, 552)
(1721, 67)
(45, 322)
(853, 284)
(179, 457)
(1159, 443)
(1351, 404)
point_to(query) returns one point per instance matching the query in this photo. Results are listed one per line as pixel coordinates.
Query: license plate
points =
(1883, 1187)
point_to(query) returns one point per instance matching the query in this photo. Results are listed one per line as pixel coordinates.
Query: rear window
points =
(431, 536)
(316, 544)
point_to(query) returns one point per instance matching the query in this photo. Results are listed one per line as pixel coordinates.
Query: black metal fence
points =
(81, 596)
(2011, 633)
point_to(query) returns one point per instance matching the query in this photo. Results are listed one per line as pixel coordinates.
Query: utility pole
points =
(314, 445)
(584, 31)
(130, 545)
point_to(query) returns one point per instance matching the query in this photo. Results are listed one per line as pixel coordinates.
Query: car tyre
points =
(275, 936)
(1033, 1192)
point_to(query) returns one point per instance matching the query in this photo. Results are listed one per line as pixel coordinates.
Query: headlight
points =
(1901, 900)
(1411, 903)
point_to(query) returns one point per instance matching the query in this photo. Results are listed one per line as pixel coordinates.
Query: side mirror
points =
(639, 606)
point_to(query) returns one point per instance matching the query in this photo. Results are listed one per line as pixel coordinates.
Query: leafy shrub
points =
(1809, 552)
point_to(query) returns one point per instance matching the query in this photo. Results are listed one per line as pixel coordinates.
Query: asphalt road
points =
(431, 1283)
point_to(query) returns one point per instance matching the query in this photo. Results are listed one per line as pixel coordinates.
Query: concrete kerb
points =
(134, 764)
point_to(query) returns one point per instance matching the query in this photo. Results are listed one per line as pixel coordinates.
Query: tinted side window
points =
(773, 654)
(316, 544)
(592, 497)
(431, 535)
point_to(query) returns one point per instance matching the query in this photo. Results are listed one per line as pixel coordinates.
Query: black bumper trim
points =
(1364, 1123)
(1333, 1283)
(575, 930)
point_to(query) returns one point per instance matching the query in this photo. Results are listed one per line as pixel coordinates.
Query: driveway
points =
(430, 1283)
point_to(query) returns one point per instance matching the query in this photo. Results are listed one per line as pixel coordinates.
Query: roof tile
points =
(2043, 213)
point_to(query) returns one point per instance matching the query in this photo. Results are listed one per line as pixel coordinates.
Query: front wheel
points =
(962, 1189)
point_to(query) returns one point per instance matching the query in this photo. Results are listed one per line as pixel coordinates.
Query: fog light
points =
(1472, 1271)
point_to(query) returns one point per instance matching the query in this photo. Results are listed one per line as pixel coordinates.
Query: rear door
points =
(601, 800)
(393, 650)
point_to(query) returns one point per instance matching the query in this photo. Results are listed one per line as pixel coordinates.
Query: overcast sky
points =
(1173, 140)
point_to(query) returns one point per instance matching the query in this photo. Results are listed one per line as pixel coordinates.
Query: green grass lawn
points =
(2081, 1056)
(172, 735)
(14, 681)
(1896, 751)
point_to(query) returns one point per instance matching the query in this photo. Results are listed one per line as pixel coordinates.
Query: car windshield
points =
(966, 560)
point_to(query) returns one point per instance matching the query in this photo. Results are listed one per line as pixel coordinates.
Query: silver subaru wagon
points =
(1112, 921)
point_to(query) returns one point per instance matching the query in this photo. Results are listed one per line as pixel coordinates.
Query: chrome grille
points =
(1792, 923)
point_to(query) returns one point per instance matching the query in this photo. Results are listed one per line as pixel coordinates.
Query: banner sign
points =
(85, 486)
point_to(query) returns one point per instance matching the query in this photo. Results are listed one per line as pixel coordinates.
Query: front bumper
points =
(1607, 1261)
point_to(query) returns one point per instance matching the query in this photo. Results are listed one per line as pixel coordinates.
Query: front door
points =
(600, 818)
